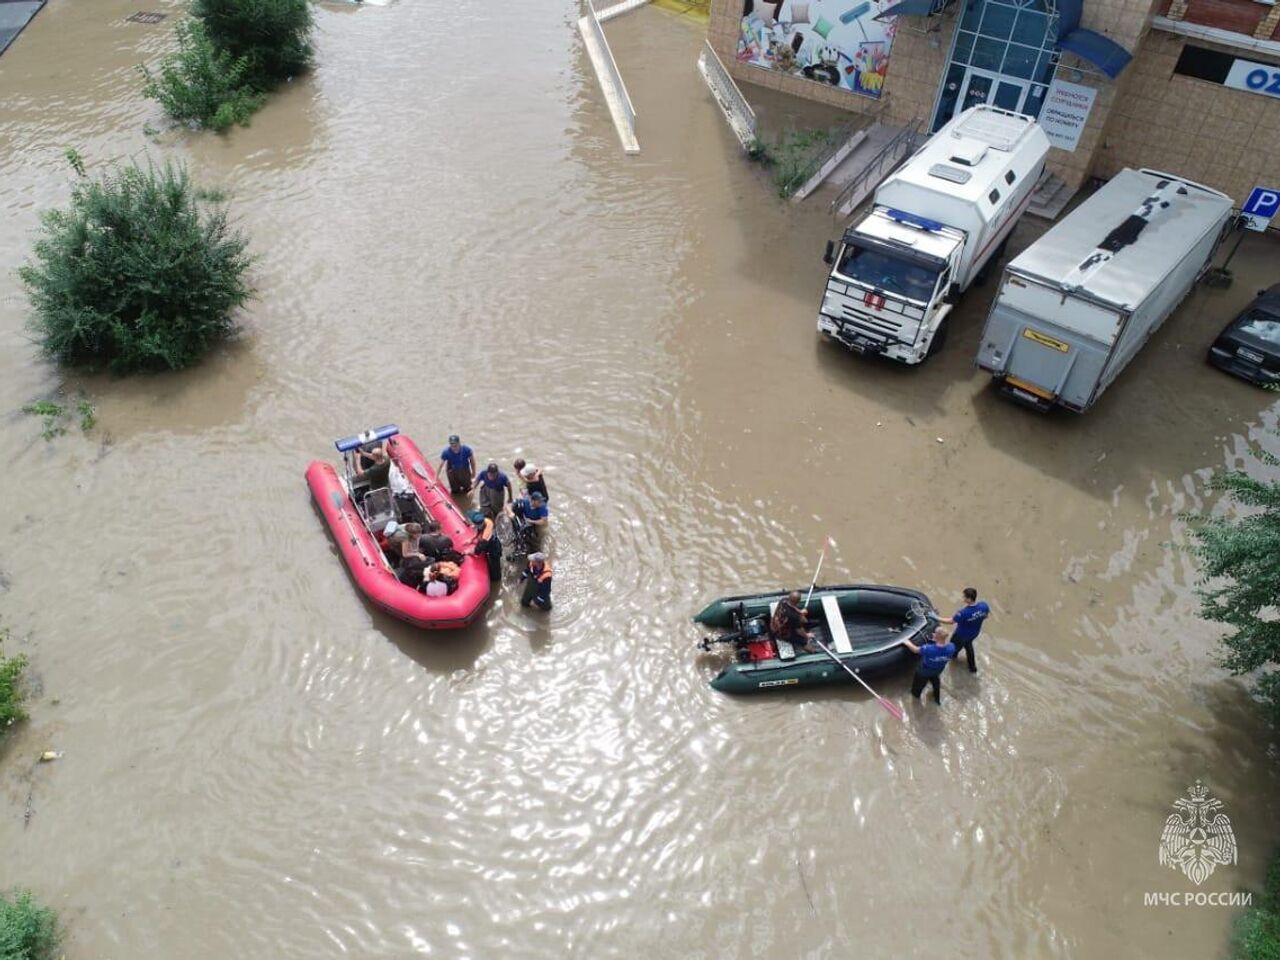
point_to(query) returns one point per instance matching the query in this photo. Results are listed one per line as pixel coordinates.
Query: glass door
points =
(1005, 92)
(1009, 94)
(978, 87)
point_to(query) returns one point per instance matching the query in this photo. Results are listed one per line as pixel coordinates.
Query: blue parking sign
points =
(1262, 205)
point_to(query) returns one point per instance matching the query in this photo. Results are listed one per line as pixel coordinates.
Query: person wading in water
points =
(935, 654)
(968, 620)
(460, 466)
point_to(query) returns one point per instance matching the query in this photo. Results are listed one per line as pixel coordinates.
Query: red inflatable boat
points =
(357, 510)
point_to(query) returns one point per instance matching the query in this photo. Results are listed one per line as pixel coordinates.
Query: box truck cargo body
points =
(934, 224)
(1076, 306)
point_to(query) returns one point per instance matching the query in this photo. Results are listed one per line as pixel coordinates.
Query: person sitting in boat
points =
(441, 579)
(412, 572)
(390, 540)
(537, 582)
(433, 543)
(409, 536)
(789, 623)
(487, 544)
(374, 466)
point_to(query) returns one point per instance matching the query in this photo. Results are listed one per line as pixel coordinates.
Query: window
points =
(1030, 28)
(1009, 177)
(1020, 61)
(1203, 64)
(994, 197)
(987, 54)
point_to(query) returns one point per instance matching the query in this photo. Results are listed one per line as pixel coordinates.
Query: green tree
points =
(1258, 928)
(28, 931)
(11, 692)
(274, 36)
(1241, 558)
(202, 84)
(138, 273)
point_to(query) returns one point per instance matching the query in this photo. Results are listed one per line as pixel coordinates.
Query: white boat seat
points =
(785, 650)
(835, 624)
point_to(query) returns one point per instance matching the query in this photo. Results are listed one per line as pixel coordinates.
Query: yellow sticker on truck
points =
(1036, 337)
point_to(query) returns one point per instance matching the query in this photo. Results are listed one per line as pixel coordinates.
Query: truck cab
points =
(934, 225)
(890, 282)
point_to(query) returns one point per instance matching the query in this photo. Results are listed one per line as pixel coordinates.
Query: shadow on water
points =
(439, 651)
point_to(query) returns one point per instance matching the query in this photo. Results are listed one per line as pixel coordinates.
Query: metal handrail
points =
(726, 88)
(901, 142)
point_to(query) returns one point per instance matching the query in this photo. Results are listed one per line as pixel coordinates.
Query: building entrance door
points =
(1008, 93)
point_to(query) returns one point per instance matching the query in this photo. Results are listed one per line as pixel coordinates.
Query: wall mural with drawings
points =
(838, 42)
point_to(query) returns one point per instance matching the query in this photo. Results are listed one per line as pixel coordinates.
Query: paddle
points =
(893, 708)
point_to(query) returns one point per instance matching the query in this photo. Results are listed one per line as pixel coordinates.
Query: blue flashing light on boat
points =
(369, 436)
(912, 220)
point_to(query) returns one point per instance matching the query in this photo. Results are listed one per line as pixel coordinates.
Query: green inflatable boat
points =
(863, 625)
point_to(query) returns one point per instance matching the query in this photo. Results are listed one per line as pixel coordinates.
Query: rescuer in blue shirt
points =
(935, 654)
(461, 466)
(968, 620)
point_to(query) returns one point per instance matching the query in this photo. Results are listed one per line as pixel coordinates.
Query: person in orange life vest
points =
(537, 582)
(487, 544)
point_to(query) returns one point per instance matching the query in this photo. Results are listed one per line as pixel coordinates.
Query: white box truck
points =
(1076, 306)
(934, 225)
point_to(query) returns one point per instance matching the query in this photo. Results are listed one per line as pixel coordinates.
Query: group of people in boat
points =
(790, 624)
(425, 558)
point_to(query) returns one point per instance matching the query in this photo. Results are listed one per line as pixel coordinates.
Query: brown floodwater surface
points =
(257, 764)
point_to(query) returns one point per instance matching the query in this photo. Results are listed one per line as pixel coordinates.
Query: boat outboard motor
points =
(748, 630)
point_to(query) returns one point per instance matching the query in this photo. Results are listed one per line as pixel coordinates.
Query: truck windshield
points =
(883, 271)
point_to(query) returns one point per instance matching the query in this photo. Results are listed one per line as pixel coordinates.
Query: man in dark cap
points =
(487, 544)
(495, 490)
(459, 464)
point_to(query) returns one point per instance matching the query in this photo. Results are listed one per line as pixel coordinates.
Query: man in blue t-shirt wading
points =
(935, 654)
(460, 463)
(968, 620)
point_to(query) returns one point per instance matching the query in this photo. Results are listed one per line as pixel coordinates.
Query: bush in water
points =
(274, 36)
(140, 272)
(11, 692)
(28, 931)
(1241, 558)
(202, 84)
(1258, 929)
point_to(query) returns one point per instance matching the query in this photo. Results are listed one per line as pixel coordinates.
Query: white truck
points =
(1076, 306)
(934, 225)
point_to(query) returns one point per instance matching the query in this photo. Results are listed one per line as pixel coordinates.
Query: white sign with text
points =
(1065, 112)
(1254, 77)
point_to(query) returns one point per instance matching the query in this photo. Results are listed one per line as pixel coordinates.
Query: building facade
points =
(1191, 87)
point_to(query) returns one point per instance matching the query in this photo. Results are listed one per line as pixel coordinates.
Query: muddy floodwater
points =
(257, 764)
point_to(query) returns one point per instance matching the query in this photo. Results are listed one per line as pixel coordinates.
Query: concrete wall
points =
(1223, 138)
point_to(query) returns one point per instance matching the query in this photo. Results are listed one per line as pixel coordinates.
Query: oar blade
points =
(894, 710)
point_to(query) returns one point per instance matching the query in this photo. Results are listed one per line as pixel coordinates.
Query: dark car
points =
(1250, 345)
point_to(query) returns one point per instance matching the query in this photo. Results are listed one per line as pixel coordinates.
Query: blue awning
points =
(912, 8)
(1103, 52)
